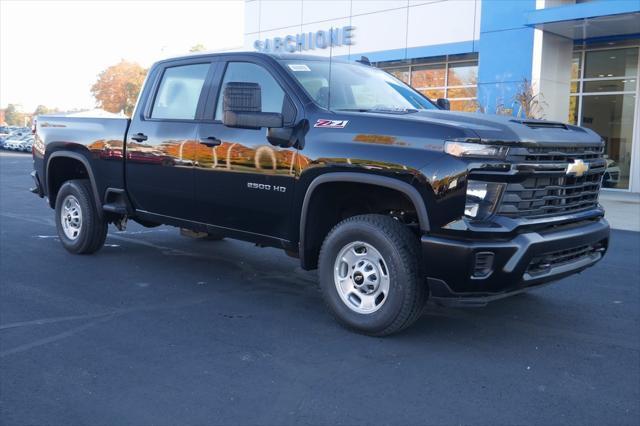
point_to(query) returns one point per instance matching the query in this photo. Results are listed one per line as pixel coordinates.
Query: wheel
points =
(80, 229)
(371, 276)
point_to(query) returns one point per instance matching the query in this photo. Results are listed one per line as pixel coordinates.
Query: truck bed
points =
(97, 141)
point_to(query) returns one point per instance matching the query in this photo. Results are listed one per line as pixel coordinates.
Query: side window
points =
(245, 72)
(179, 91)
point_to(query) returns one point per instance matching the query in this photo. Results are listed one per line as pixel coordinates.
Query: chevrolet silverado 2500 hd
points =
(392, 197)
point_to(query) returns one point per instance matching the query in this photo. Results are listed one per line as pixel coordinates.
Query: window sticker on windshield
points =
(299, 67)
(331, 124)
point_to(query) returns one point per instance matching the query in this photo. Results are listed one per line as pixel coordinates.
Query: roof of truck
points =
(277, 56)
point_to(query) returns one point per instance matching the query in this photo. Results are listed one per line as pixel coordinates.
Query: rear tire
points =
(371, 275)
(80, 227)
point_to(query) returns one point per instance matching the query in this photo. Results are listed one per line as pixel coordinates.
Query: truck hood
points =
(506, 128)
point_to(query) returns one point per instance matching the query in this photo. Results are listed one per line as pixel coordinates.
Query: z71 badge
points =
(331, 124)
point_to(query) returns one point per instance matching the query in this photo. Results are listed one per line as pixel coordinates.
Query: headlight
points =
(482, 198)
(466, 149)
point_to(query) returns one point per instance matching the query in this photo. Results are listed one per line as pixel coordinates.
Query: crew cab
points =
(392, 197)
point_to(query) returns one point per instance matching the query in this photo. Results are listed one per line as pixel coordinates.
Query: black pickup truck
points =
(392, 197)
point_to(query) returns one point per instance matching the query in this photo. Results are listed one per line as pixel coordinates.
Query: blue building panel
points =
(505, 52)
(499, 15)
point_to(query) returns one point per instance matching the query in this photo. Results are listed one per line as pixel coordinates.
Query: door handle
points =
(210, 141)
(139, 137)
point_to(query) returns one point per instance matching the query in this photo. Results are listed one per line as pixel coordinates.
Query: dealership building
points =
(574, 61)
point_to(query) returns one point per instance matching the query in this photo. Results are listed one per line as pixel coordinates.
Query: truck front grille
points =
(557, 154)
(545, 188)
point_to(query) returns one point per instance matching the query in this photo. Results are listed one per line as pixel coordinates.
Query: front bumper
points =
(474, 273)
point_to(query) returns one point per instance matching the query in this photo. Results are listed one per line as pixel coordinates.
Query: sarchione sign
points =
(321, 39)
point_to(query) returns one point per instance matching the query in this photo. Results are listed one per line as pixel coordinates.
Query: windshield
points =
(355, 87)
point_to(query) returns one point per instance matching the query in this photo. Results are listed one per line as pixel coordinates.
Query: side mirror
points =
(443, 104)
(242, 107)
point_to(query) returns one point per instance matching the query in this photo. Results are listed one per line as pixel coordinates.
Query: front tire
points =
(371, 276)
(80, 227)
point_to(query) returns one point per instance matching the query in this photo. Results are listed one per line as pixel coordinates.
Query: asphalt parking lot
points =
(161, 329)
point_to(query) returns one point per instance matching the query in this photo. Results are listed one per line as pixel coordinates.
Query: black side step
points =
(115, 208)
(117, 202)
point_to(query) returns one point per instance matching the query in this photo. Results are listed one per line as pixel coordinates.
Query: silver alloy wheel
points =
(71, 217)
(361, 277)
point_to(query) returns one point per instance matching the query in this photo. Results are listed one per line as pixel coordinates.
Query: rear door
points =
(242, 181)
(162, 139)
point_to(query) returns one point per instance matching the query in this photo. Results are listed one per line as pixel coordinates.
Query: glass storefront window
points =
(428, 76)
(465, 105)
(611, 63)
(403, 74)
(604, 87)
(573, 110)
(462, 92)
(611, 116)
(626, 85)
(575, 65)
(454, 77)
(574, 86)
(462, 74)
(432, 93)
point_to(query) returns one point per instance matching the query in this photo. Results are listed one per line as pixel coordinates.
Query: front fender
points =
(444, 185)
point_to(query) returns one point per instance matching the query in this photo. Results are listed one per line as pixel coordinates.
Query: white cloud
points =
(52, 51)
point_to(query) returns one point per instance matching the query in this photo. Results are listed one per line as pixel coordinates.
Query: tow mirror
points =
(242, 107)
(444, 103)
(288, 137)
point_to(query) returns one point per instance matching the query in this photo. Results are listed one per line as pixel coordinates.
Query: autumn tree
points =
(44, 110)
(13, 116)
(118, 86)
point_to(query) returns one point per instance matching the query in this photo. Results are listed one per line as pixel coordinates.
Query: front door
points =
(161, 143)
(242, 182)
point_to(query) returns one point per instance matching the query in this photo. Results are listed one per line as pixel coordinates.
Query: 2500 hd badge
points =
(266, 187)
(393, 198)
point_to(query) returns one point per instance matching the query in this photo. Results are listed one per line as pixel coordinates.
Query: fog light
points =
(483, 264)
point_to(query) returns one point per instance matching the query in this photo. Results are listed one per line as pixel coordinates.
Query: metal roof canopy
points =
(589, 20)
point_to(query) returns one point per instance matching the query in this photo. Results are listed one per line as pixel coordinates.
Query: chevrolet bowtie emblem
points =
(577, 168)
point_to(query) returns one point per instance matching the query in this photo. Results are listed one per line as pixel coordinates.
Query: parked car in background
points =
(13, 134)
(611, 174)
(14, 143)
(11, 143)
(26, 144)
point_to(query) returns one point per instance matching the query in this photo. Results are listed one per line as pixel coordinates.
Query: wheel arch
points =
(410, 192)
(75, 156)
